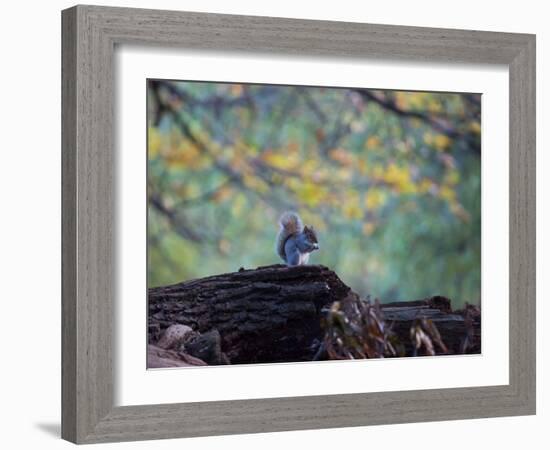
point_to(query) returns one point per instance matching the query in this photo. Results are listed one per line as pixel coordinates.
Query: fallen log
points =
(275, 313)
(270, 314)
(459, 330)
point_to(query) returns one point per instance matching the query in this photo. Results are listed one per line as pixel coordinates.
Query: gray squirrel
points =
(294, 241)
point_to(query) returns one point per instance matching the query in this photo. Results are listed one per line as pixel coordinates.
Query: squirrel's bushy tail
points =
(291, 224)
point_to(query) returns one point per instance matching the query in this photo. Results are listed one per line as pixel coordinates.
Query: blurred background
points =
(389, 179)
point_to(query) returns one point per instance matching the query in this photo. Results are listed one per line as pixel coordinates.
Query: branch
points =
(180, 224)
(436, 124)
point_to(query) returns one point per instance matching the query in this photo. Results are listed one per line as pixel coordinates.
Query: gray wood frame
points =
(90, 34)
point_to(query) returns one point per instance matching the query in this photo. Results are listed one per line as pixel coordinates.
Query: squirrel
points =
(294, 241)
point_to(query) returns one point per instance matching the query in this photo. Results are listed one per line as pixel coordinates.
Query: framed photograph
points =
(278, 224)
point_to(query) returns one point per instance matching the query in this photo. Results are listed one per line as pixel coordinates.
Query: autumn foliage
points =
(390, 179)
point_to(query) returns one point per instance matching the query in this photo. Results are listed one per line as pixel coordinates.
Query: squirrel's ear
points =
(310, 231)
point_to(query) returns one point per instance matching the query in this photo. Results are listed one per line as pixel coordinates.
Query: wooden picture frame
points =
(90, 34)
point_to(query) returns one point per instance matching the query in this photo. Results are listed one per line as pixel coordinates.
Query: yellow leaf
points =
(435, 107)
(373, 142)
(311, 194)
(397, 175)
(186, 155)
(475, 127)
(375, 198)
(402, 100)
(351, 208)
(154, 142)
(441, 142)
(446, 193)
(352, 211)
(281, 160)
(255, 183)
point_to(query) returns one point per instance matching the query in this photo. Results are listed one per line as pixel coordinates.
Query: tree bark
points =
(270, 314)
(273, 314)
